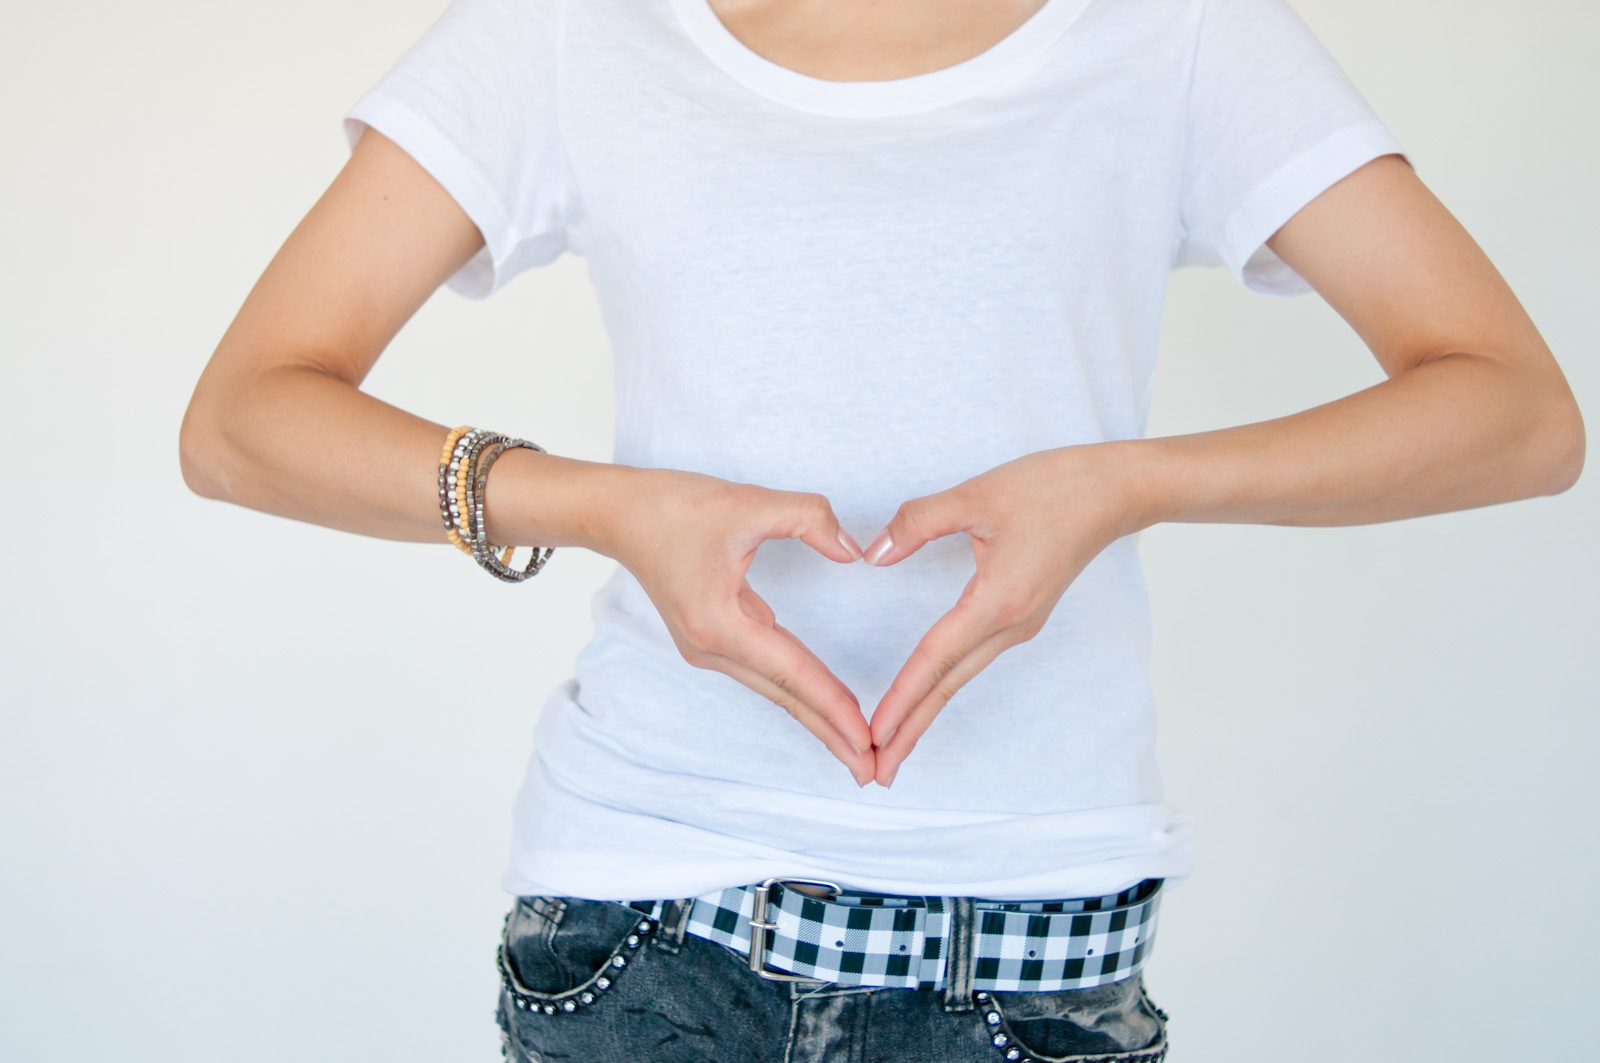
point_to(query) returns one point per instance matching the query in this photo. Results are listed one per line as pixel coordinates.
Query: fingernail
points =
(880, 546)
(854, 548)
(892, 774)
(855, 747)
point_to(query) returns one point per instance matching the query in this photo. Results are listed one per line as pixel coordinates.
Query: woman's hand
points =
(689, 539)
(1035, 523)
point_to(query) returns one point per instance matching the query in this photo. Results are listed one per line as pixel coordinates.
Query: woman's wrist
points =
(1125, 475)
(540, 499)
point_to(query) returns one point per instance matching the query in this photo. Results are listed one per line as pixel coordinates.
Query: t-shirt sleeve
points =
(1272, 122)
(473, 101)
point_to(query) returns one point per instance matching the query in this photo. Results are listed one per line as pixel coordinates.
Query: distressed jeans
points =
(679, 998)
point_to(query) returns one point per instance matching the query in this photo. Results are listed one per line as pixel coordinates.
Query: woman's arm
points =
(278, 423)
(1475, 411)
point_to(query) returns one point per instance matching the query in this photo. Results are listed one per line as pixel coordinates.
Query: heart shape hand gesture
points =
(1035, 523)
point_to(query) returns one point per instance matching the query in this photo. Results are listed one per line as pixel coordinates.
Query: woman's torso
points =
(871, 289)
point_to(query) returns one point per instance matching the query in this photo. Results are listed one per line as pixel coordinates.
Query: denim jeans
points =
(682, 998)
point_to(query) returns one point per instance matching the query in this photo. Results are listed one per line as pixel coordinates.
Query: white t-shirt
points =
(873, 290)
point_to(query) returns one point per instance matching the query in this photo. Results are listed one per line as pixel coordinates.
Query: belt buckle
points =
(758, 923)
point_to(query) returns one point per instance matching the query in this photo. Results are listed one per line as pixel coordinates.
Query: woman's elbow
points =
(1559, 443)
(199, 445)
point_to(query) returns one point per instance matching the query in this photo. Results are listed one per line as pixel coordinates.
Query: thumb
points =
(811, 519)
(916, 522)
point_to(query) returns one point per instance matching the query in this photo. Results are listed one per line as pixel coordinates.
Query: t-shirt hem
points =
(596, 879)
(1096, 852)
(1279, 197)
(488, 270)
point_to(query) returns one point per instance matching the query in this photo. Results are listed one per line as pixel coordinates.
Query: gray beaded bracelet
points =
(482, 454)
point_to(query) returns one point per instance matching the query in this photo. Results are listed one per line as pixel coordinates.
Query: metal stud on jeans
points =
(581, 995)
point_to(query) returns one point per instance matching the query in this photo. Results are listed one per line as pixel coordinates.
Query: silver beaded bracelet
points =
(484, 455)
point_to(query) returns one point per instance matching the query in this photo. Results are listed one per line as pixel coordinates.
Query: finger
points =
(789, 665)
(823, 665)
(919, 521)
(756, 606)
(809, 517)
(921, 716)
(965, 626)
(790, 673)
(862, 765)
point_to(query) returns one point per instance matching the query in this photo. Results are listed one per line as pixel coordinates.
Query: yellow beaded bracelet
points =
(447, 492)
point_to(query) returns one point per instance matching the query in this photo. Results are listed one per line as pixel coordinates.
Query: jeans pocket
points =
(565, 952)
(1112, 1023)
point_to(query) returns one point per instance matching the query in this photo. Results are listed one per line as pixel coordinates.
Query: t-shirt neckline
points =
(873, 99)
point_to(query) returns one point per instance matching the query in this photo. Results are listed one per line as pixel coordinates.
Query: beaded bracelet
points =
(452, 483)
(481, 550)
(464, 466)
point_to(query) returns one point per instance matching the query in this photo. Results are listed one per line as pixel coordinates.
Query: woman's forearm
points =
(302, 443)
(1456, 432)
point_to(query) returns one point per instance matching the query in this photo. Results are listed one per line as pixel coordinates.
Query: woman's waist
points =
(758, 774)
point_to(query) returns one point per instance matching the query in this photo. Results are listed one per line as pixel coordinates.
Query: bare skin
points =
(871, 40)
(1475, 411)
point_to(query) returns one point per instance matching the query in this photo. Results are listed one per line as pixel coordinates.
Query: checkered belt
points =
(870, 939)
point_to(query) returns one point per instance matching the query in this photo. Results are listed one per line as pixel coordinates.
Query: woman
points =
(895, 266)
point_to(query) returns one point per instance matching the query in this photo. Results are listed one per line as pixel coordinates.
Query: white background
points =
(255, 775)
